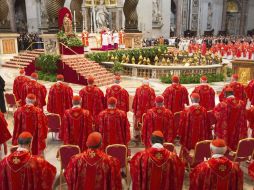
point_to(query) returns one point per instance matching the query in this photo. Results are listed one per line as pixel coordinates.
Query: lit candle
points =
(74, 16)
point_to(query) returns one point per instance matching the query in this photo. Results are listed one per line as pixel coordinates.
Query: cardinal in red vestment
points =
(203, 48)
(32, 119)
(77, 125)
(23, 171)
(35, 88)
(119, 93)
(93, 169)
(144, 100)
(231, 119)
(175, 96)
(250, 118)
(4, 134)
(250, 91)
(193, 125)
(60, 97)
(206, 93)
(218, 173)
(158, 119)
(113, 124)
(92, 98)
(156, 168)
(18, 83)
(238, 88)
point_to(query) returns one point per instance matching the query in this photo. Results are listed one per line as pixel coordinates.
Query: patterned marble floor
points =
(130, 84)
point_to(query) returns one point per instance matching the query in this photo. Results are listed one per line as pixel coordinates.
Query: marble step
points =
(13, 66)
(24, 57)
(22, 60)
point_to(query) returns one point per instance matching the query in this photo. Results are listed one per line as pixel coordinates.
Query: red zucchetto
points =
(159, 99)
(112, 101)
(34, 75)
(158, 134)
(93, 139)
(175, 79)
(90, 79)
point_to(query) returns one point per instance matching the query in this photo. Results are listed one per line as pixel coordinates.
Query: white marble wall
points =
(250, 18)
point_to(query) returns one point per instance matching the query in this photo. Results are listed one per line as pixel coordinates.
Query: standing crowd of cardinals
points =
(93, 121)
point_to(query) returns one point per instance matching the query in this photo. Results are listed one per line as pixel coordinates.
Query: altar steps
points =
(84, 68)
(24, 59)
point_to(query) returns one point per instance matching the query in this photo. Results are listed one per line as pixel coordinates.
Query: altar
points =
(8, 46)
(244, 68)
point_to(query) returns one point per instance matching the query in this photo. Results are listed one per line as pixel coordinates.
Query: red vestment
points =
(93, 170)
(77, 125)
(250, 91)
(17, 86)
(114, 126)
(231, 121)
(22, 171)
(158, 119)
(37, 89)
(217, 174)
(120, 94)
(92, 100)
(239, 91)
(4, 132)
(32, 119)
(59, 98)
(144, 100)
(203, 49)
(193, 126)
(175, 96)
(207, 96)
(250, 118)
(156, 169)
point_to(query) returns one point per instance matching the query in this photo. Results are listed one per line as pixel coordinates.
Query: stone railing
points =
(153, 71)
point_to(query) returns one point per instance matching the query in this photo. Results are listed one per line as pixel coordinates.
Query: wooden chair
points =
(64, 155)
(54, 123)
(169, 146)
(10, 102)
(120, 152)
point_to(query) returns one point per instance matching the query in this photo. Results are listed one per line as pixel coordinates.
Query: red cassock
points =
(156, 169)
(158, 119)
(250, 91)
(59, 98)
(17, 86)
(37, 89)
(4, 134)
(217, 174)
(207, 96)
(144, 100)
(92, 100)
(77, 125)
(231, 121)
(175, 96)
(193, 126)
(32, 119)
(93, 170)
(250, 118)
(114, 126)
(203, 48)
(22, 171)
(120, 94)
(239, 91)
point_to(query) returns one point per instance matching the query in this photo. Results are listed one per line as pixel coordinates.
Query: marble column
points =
(32, 16)
(224, 16)
(179, 17)
(11, 4)
(243, 17)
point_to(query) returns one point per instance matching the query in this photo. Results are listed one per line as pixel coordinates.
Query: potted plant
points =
(117, 68)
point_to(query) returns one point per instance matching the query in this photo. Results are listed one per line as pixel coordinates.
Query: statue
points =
(209, 16)
(67, 23)
(102, 15)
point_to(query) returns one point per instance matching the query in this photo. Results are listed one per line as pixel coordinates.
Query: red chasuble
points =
(216, 174)
(158, 119)
(92, 100)
(231, 121)
(17, 86)
(207, 96)
(77, 126)
(194, 126)
(4, 132)
(59, 98)
(250, 91)
(250, 118)
(114, 126)
(144, 100)
(93, 170)
(239, 91)
(37, 89)
(32, 119)
(156, 169)
(120, 94)
(175, 96)
(22, 171)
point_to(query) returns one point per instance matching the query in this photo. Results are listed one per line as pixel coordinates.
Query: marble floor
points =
(130, 84)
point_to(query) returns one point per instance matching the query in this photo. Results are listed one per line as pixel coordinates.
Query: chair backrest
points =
(202, 152)
(169, 146)
(10, 99)
(66, 152)
(245, 149)
(118, 151)
(54, 122)
(13, 148)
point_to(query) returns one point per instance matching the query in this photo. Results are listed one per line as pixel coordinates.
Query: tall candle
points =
(74, 16)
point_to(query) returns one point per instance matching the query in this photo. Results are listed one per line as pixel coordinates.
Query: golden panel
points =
(9, 46)
(244, 75)
(97, 2)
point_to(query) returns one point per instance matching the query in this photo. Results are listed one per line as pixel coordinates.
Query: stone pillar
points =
(11, 4)
(44, 16)
(179, 17)
(4, 12)
(52, 9)
(32, 15)
(131, 16)
(243, 17)
(224, 16)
